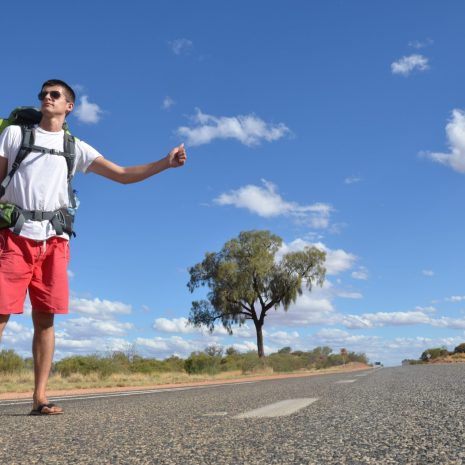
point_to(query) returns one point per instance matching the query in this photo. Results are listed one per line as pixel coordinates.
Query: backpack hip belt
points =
(61, 219)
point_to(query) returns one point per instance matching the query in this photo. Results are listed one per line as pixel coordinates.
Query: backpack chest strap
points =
(36, 148)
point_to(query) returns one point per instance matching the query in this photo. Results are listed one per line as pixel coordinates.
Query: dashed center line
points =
(215, 414)
(345, 381)
(278, 409)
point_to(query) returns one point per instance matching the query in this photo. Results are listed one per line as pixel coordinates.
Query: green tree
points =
(285, 350)
(436, 352)
(460, 349)
(246, 281)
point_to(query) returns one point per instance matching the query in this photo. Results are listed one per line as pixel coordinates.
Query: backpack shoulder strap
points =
(27, 140)
(69, 147)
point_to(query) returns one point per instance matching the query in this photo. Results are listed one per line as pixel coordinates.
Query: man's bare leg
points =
(43, 346)
(3, 321)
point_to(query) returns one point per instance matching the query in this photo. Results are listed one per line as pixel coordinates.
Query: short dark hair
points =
(69, 92)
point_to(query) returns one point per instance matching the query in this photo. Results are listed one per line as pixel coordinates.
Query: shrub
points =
(460, 349)
(431, 354)
(200, 362)
(251, 362)
(104, 366)
(284, 361)
(174, 363)
(144, 365)
(11, 362)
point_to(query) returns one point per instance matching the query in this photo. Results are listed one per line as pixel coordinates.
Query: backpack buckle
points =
(37, 215)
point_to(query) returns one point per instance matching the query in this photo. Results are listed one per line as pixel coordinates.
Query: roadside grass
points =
(24, 381)
(119, 369)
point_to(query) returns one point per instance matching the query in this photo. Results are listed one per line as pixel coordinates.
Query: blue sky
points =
(338, 124)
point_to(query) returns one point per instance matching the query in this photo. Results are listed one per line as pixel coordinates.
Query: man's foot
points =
(46, 409)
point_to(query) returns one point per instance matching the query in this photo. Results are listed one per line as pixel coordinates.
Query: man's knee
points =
(42, 320)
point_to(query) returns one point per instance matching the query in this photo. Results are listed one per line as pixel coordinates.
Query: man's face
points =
(54, 101)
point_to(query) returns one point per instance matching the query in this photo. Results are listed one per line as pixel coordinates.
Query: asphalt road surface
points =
(406, 415)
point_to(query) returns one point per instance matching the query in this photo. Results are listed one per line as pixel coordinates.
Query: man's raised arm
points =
(130, 174)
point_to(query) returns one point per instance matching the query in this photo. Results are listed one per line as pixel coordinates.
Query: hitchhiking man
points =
(34, 251)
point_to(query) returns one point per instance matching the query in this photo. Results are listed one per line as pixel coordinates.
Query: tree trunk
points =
(258, 328)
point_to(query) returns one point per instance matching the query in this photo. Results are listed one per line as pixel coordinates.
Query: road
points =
(404, 415)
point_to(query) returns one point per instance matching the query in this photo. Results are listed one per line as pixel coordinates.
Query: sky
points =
(338, 124)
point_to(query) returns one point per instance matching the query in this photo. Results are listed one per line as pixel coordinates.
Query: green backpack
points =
(14, 216)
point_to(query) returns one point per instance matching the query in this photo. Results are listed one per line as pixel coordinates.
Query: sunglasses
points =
(54, 94)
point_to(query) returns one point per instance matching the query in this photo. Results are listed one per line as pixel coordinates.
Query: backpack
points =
(14, 216)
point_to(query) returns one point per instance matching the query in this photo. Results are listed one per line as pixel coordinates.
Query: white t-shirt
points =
(40, 183)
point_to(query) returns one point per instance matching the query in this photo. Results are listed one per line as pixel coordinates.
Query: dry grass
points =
(454, 358)
(24, 382)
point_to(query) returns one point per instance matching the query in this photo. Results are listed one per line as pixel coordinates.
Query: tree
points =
(436, 352)
(285, 350)
(246, 280)
(460, 349)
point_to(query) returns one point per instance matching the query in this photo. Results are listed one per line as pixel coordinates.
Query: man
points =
(36, 259)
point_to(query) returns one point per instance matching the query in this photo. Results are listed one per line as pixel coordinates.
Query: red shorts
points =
(39, 267)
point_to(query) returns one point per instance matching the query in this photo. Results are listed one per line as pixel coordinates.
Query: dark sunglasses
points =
(54, 94)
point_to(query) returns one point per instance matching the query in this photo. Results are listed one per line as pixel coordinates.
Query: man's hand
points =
(177, 157)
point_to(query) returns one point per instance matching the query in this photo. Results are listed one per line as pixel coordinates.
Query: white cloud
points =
(337, 261)
(455, 131)
(429, 273)
(103, 309)
(352, 180)
(361, 274)
(168, 102)
(248, 129)
(284, 338)
(66, 347)
(16, 334)
(266, 202)
(348, 294)
(455, 298)
(164, 347)
(420, 44)
(380, 319)
(310, 308)
(90, 327)
(179, 46)
(407, 64)
(180, 325)
(176, 325)
(88, 112)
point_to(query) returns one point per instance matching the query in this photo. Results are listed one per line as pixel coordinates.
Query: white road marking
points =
(215, 414)
(278, 409)
(121, 394)
(345, 381)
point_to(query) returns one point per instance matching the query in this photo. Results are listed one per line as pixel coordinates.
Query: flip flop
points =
(39, 410)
